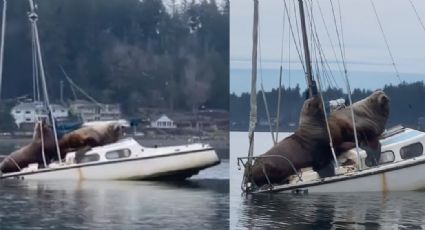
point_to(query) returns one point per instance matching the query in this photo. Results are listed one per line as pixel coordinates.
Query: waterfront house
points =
(163, 122)
(28, 112)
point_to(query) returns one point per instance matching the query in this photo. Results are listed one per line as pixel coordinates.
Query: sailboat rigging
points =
(98, 151)
(394, 165)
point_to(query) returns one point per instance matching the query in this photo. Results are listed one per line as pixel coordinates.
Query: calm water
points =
(199, 203)
(398, 210)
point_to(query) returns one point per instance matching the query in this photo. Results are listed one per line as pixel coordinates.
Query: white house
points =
(163, 122)
(28, 112)
(93, 112)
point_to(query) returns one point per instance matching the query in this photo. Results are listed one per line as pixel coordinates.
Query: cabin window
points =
(89, 158)
(411, 151)
(387, 157)
(18, 111)
(117, 154)
(27, 112)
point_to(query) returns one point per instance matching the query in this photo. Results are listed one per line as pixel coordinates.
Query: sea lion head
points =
(312, 120)
(380, 101)
(41, 127)
(115, 131)
(312, 110)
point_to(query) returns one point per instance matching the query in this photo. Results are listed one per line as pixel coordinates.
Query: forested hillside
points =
(407, 105)
(145, 53)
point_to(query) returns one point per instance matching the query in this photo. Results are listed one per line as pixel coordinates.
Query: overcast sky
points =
(365, 47)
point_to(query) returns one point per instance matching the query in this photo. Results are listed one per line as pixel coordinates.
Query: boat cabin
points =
(398, 144)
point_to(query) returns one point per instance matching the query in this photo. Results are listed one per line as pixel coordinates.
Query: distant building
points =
(28, 112)
(94, 112)
(163, 122)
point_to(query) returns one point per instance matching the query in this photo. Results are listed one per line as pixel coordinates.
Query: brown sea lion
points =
(32, 153)
(371, 115)
(307, 147)
(90, 136)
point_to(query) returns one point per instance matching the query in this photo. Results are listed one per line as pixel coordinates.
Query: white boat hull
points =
(396, 175)
(176, 164)
(405, 179)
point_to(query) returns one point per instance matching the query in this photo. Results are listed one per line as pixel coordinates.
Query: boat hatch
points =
(401, 137)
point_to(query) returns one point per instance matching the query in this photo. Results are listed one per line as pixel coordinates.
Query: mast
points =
(253, 112)
(310, 81)
(33, 17)
(3, 29)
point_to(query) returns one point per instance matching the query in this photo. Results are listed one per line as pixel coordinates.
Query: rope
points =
(14, 162)
(3, 29)
(386, 40)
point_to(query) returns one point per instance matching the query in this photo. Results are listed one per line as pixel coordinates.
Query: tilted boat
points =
(401, 168)
(401, 164)
(124, 159)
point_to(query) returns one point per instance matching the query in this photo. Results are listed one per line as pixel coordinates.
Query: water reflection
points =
(395, 210)
(334, 211)
(114, 205)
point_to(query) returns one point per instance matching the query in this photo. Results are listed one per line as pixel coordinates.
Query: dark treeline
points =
(407, 105)
(145, 53)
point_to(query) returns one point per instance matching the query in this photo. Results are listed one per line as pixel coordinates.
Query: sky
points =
(365, 48)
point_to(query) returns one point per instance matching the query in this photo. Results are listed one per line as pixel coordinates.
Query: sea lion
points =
(32, 153)
(90, 136)
(307, 147)
(371, 115)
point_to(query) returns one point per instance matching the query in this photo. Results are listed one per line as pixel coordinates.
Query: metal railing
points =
(247, 181)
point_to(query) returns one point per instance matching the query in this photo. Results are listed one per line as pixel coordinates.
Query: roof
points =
(155, 118)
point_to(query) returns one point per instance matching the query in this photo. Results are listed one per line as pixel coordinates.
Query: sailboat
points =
(401, 164)
(124, 159)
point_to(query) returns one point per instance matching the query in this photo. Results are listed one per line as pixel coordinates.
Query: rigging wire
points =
(319, 85)
(72, 83)
(3, 29)
(417, 15)
(386, 40)
(315, 38)
(318, 54)
(298, 29)
(263, 93)
(279, 94)
(359, 167)
(293, 36)
(341, 28)
(329, 37)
